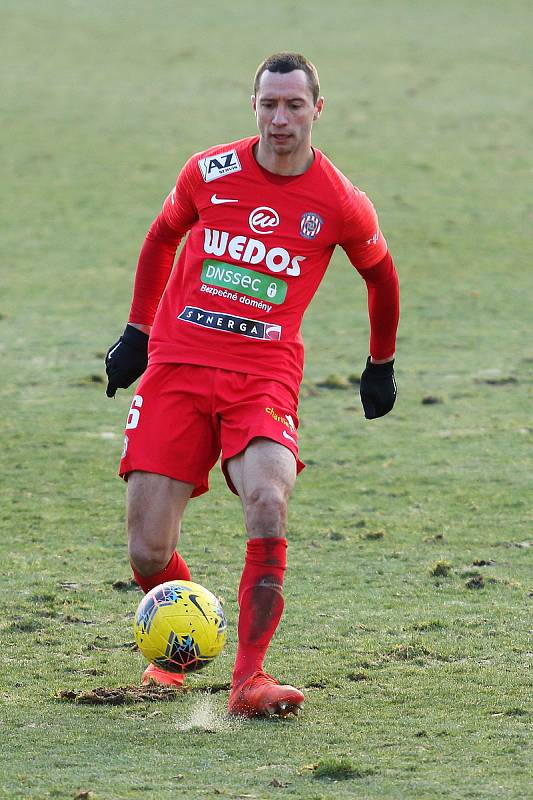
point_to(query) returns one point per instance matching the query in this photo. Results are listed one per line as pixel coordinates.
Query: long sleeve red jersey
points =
(258, 246)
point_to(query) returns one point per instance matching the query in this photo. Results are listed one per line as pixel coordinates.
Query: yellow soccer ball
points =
(180, 626)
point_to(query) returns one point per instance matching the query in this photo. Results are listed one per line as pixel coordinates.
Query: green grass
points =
(417, 684)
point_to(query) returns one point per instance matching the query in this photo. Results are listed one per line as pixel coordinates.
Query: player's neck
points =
(283, 164)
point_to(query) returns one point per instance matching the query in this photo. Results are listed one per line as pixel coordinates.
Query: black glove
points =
(126, 359)
(377, 389)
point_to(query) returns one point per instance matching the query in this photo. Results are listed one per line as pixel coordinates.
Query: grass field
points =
(409, 590)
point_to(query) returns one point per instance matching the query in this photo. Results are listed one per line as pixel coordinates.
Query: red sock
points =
(175, 570)
(260, 602)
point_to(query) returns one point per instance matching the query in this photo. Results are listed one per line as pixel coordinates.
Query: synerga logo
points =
(263, 218)
(251, 251)
(253, 328)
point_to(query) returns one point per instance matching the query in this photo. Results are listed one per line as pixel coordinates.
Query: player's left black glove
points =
(126, 359)
(377, 389)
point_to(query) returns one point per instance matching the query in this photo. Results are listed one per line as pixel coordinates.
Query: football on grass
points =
(180, 626)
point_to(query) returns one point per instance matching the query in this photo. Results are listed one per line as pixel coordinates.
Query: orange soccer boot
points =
(162, 677)
(261, 695)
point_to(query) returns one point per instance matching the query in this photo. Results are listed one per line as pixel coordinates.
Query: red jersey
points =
(257, 249)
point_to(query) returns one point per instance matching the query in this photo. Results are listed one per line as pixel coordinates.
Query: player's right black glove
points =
(377, 389)
(126, 360)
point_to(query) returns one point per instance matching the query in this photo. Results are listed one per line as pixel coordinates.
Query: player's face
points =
(285, 111)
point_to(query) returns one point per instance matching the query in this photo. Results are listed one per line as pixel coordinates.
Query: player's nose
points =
(280, 116)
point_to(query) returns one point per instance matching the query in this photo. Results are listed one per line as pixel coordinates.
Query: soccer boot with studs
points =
(261, 695)
(162, 677)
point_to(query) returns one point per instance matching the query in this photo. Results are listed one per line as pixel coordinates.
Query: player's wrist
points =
(381, 369)
(388, 360)
(135, 338)
(141, 327)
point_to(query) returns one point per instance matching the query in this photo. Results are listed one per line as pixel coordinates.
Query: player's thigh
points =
(156, 504)
(259, 434)
(170, 429)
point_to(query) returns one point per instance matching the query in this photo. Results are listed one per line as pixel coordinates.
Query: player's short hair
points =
(287, 62)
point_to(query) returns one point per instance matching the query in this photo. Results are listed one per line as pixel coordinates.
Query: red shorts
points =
(184, 416)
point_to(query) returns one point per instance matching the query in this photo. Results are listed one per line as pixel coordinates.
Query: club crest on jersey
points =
(310, 225)
(219, 165)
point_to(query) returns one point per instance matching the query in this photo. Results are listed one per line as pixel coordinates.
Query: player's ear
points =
(318, 108)
(254, 104)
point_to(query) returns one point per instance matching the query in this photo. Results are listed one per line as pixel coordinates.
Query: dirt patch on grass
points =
(26, 625)
(441, 569)
(121, 695)
(475, 582)
(436, 539)
(125, 586)
(414, 652)
(373, 536)
(104, 643)
(504, 380)
(89, 380)
(127, 695)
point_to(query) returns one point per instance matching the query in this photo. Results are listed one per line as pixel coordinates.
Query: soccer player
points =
(217, 340)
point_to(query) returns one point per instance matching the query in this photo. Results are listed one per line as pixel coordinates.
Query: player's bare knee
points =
(268, 499)
(266, 511)
(147, 558)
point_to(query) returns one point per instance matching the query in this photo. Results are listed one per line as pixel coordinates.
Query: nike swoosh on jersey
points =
(288, 436)
(216, 200)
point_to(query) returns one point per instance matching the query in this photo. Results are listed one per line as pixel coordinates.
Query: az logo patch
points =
(214, 167)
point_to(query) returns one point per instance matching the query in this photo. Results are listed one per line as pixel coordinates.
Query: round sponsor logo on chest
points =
(263, 218)
(310, 225)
